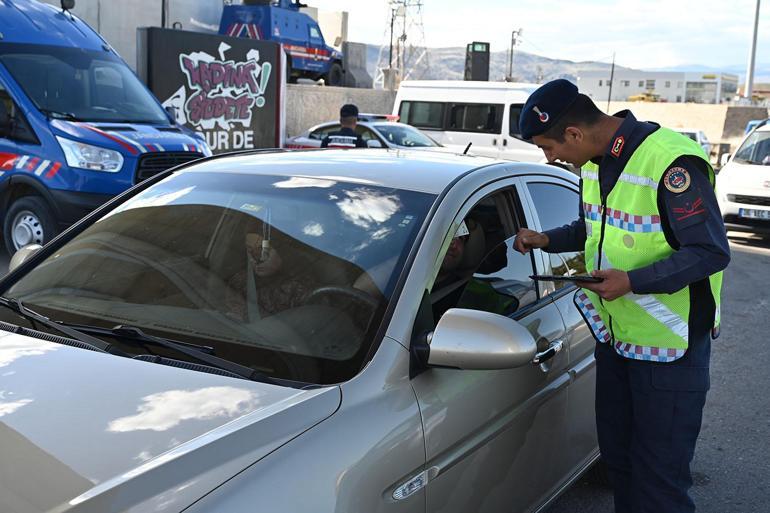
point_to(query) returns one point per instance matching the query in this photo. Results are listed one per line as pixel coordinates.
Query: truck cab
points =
(77, 126)
(307, 54)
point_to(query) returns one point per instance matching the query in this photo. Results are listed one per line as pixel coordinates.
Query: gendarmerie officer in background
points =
(345, 137)
(651, 228)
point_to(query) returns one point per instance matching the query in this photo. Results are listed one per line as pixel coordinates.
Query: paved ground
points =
(732, 460)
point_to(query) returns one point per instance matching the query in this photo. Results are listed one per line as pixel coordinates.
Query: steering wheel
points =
(356, 295)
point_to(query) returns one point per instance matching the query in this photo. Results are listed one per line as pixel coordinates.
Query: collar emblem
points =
(617, 146)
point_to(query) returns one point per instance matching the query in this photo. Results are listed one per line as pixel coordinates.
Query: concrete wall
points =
(721, 123)
(309, 105)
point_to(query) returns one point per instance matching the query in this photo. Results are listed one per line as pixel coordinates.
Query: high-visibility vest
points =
(624, 232)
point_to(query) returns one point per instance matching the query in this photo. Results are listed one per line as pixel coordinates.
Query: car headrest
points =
(475, 247)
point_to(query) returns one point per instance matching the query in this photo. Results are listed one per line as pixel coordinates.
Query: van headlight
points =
(93, 158)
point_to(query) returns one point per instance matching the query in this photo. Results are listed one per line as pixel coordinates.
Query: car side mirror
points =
(374, 143)
(338, 41)
(170, 113)
(23, 255)
(477, 340)
(724, 159)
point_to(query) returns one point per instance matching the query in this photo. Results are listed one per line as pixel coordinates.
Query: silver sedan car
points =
(304, 332)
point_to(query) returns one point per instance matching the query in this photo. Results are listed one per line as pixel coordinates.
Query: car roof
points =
(33, 22)
(422, 171)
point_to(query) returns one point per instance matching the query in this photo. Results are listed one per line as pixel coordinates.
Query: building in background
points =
(665, 86)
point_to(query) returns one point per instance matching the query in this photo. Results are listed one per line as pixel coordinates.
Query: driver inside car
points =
(262, 289)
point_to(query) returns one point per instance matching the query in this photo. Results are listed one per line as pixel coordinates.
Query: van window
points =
(514, 116)
(19, 129)
(475, 117)
(422, 114)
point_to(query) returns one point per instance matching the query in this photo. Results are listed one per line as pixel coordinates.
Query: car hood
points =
(130, 139)
(750, 179)
(84, 431)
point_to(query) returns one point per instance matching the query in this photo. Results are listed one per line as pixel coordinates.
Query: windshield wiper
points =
(56, 114)
(18, 307)
(200, 353)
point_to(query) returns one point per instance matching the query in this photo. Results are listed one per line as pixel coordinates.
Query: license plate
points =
(754, 214)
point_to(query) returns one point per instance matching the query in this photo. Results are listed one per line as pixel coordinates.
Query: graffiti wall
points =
(226, 88)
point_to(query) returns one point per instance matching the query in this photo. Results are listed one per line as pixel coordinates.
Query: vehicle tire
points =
(334, 76)
(28, 221)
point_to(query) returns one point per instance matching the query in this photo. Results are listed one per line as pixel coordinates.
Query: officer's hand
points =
(528, 239)
(615, 284)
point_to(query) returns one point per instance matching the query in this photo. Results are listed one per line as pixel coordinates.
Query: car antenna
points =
(467, 148)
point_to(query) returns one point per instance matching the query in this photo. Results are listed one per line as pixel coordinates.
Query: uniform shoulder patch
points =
(677, 179)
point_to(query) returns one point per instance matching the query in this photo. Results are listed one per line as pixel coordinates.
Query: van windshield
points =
(75, 84)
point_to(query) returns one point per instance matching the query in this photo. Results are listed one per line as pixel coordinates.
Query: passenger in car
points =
(463, 256)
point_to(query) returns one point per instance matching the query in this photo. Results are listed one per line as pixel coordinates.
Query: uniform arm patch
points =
(677, 180)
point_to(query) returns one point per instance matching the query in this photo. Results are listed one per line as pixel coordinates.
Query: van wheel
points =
(28, 221)
(334, 76)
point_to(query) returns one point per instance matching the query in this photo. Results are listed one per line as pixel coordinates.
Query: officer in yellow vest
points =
(651, 228)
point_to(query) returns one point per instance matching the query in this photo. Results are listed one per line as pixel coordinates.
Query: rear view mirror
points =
(477, 340)
(373, 143)
(170, 113)
(23, 255)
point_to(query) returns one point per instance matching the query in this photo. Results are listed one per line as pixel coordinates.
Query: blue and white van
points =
(77, 126)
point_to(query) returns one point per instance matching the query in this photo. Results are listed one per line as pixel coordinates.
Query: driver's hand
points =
(528, 239)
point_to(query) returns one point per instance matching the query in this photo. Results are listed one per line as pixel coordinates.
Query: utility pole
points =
(514, 41)
(392, 21)
(612, 78)
(748, 89)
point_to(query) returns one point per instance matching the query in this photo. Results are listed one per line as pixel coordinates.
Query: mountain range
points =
(449, 64)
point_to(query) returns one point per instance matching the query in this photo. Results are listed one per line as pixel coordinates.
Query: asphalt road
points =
(732, 461)
(731, 469)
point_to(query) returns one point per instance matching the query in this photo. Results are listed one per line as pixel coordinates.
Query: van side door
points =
(513, 147)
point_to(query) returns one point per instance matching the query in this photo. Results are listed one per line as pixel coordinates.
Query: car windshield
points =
(290, 276)
(404, 135)
(755, 149)
(70, 83)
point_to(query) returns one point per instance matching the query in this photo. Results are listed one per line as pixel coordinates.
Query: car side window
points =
(480, 270)
(366, 133)
(321, 133)
(19, 128)
(556, 206)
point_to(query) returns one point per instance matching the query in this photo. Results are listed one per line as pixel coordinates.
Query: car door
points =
(556, 202)
(494, 439)
(478, 124)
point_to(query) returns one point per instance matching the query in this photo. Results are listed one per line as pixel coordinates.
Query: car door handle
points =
(494, 142)
(505, 142)
(549, 353)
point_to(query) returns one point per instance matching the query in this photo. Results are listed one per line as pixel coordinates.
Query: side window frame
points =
(514, 207)
(548, 288)
(324, 131)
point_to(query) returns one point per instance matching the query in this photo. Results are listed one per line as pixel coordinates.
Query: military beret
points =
(546, 106)
(349, 111)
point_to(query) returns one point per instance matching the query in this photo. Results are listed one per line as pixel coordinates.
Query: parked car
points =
(743, 184)
(456, 113)
(77, 126)
(754, 123)
(698, 136)
(284, 331)
(379, 131)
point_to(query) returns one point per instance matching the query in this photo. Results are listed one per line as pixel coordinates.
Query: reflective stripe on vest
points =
(625, 232)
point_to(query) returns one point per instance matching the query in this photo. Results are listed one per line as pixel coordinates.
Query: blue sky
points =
(642, 33)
